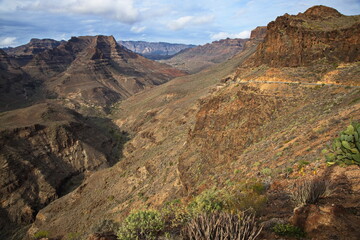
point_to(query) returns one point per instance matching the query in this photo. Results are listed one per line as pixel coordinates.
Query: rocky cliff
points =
(321, 34)
(155, 50)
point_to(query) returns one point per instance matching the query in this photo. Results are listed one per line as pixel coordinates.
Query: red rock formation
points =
(319, 34)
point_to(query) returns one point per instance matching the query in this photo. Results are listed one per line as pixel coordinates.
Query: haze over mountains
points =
(91, 131)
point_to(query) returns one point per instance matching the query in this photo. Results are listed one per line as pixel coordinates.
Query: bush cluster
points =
(220, 211)
(141, 225)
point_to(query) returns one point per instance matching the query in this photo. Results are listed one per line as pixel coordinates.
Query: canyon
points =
(91, 131)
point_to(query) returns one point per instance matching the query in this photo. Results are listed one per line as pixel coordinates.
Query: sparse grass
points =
(73, 236)
(41, 234)
(266, 171)
(302, 163)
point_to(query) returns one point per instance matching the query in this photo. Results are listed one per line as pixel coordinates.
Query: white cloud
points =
(121, 10)
(186, 21)
(136, 29)
(223, 35)
(7, 41)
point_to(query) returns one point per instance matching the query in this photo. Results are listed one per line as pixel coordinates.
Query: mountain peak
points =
(320, 11)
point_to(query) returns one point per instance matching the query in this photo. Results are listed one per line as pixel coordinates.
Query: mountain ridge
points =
(155, 50)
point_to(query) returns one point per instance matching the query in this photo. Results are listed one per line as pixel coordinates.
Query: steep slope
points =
(198, 58)
(96, 71)
(16, 87)
(46, 151)
(155, 50)
(21, 55)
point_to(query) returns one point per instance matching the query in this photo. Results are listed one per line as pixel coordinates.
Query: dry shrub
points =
(309, 191)
(222, 226)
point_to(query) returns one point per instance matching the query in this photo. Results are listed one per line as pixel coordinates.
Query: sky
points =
(174, 21)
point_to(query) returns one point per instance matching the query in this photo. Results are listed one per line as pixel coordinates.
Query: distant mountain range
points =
(195, 59)
(155, 50)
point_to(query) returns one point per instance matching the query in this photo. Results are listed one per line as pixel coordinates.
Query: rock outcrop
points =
(321, 34)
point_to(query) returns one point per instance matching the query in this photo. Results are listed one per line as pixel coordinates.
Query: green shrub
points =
(207, 202)
(174, 214)
(141, 225)
(288, 230)
(246, 196)
(41, 234)
(345, 149)
(245, 200)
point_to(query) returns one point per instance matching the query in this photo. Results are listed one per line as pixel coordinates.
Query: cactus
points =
(346, 148)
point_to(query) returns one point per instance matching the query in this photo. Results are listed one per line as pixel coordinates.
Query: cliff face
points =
(46, 151)
(198, 58)
(319, 34)
(155, 50)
